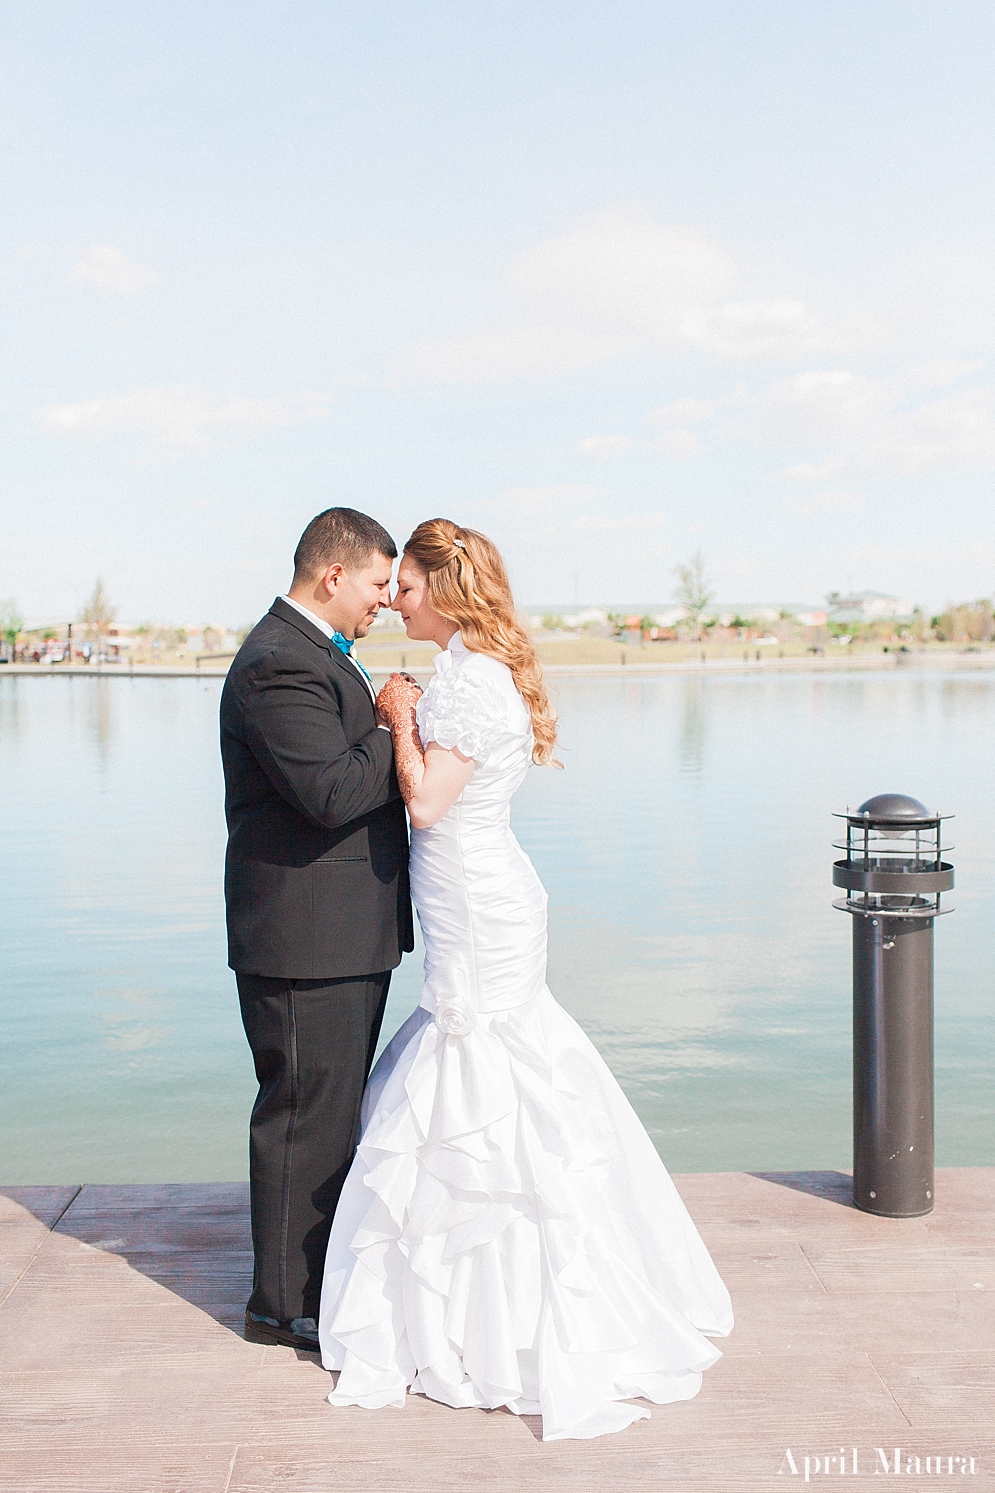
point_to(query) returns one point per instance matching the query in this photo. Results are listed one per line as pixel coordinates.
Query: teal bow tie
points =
(345, 645)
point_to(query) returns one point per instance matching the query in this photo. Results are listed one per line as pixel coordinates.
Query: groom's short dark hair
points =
(340, 536)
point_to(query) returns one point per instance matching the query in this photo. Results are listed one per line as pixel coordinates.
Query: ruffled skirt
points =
(508, 1236)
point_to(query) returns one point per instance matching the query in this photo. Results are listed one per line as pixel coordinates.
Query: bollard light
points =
(894, 876)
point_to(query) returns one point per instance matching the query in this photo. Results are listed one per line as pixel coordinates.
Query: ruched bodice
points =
(507, 1234)
(481, 905)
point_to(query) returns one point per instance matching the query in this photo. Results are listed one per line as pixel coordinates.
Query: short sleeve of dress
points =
(465, 709)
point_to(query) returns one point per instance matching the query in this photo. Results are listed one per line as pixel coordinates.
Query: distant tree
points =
(921, 626)
(692, 591)
(98, 614)
(616, 621)
(970, 622)
(11, 623)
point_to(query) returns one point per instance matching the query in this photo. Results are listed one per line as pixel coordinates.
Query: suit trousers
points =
(313, 1043)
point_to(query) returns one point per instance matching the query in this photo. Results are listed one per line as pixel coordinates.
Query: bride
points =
(508, 1235)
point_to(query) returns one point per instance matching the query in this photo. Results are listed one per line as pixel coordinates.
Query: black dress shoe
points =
(282, 1333)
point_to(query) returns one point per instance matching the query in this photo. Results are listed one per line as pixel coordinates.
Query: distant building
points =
(764, 613)
(567, 619)
(575, 621)
(868, 606)
(750, 611)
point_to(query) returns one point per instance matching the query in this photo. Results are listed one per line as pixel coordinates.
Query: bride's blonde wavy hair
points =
(468, 584)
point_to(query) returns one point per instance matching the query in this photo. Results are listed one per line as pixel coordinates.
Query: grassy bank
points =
(584, 652)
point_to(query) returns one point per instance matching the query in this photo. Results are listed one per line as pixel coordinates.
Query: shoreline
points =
(857, 663)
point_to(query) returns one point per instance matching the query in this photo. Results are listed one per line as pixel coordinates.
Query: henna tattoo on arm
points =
(396, 703)
(409, 755)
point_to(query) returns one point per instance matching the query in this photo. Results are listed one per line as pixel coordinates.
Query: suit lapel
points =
(315, 635)
(289, 614)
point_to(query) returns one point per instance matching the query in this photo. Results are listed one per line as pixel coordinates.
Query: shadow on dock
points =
(835, 1187)
(192, 1239)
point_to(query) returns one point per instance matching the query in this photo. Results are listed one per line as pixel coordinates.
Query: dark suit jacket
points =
(316, 875)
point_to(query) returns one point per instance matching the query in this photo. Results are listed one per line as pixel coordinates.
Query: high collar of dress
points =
(453, 654)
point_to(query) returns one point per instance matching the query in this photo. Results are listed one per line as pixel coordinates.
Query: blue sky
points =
(611, 281)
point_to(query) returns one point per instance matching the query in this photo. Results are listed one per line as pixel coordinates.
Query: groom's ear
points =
(331, 576)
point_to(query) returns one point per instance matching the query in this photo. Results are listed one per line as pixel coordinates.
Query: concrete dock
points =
(857, 1339)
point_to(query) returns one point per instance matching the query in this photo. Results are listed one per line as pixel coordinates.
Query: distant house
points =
(670, 617)
(762, 612)
(868, 606)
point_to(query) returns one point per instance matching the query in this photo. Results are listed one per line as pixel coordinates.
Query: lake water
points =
(686, 851)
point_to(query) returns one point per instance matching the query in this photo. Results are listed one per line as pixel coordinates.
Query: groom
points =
(316, 887)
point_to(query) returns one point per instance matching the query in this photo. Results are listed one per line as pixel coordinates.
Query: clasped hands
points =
(397, 700)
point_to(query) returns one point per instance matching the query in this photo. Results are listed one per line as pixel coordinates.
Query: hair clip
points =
(459, 544)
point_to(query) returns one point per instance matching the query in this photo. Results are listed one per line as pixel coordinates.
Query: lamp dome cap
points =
(894, 806)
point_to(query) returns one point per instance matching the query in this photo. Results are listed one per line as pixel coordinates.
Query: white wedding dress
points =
(507, 1235)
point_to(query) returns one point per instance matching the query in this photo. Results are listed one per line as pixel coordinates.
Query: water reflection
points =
(131, 1028)
(10, 709)
(98, 711)
(686, 850)
(694, 727)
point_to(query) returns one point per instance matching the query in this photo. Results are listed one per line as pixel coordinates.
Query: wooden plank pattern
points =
(124, 1367)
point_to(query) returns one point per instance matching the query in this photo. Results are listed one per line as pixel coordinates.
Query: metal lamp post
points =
(894, 876)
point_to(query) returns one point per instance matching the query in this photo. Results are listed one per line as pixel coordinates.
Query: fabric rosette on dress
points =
(454, 1019)
(508, 1235)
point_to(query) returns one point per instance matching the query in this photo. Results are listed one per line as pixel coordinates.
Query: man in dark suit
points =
(316, 887)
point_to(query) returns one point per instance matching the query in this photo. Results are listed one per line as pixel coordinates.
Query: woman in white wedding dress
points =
(508, 1235)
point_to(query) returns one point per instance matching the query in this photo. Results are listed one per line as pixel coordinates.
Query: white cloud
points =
(825, 407)
(634, 524)
(940, 374)
(771, 330)
(687, 411)
(877, 425)
(568, 509)
(679, 443)
(618, 281)
(110, 269)
(604, 447)
(826, 502)
(538, 505)
(509, 353)
(841, 424)
(805, 471)
(176, 418)
(618, 271)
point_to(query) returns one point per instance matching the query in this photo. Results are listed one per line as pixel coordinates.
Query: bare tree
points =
(98, 614)
(692, 591)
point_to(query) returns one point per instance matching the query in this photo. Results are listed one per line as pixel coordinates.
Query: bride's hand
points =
(397, 699)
